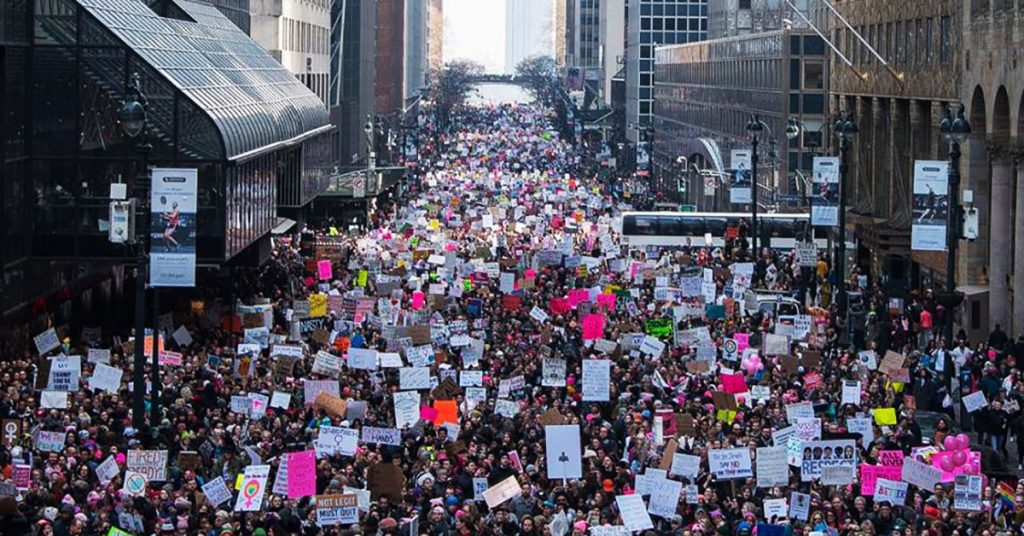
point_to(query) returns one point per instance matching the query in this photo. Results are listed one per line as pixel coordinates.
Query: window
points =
(814, 75)
(744, 4)
(898, 44)
(888, 42)
(944, 51)
(928, 57)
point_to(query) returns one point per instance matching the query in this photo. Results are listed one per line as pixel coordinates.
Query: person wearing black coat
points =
(992, 421)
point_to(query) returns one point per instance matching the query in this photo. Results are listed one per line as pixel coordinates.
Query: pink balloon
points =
(959, 458)
(951, 443)
(946, 464)
(965, 441)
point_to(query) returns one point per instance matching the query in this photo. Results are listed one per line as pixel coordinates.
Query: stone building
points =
(898, 117)
(992, 88)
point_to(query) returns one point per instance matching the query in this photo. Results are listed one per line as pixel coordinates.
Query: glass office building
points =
(216, 102)
(705, 94)
(654, 23)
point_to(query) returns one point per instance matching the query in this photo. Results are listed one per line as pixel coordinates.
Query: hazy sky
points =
(475, 30)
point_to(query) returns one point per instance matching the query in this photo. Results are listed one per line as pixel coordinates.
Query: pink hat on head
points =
(580, 526)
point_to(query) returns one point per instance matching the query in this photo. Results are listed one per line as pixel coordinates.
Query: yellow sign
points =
(885, 416)
(317, 305)
(363, 275)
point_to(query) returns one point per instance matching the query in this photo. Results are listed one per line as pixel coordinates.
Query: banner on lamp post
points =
(825, 191)
(930, 205)
(740, 192)
(172, 232)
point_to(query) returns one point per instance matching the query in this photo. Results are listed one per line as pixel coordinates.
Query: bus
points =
(779, 231)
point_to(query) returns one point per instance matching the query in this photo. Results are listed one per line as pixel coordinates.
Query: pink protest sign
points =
(428, 413)
(733, 383)
(972, 467)
(301, 474)
(742, 341)
(530, 273)
(559, 306)
(324, 270)
(593, 327)
(869, 475)
(418, 300)
(607, 301)
(578, 296)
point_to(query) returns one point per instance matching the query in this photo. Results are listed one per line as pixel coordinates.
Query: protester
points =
(490, 357)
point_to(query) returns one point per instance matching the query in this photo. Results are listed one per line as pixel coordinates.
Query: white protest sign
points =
(53, 399)
(254, 483)
(563, 451)
(337, 440)
(772, 469)
(98, 355)
(553, 372)
(152, 463)
(50, 441)
(597, 380)
(413, 378)
(327, 364)
(892, 491)
(730, 463)
(65, 373)
(216, 491)
(634, 515)
(851, 392)
(407, 408)
(106, 378)
(182, 336)
(975, 401)
(799, 506)
(664, 497)
(920, 474)
(383, 436)
(775, 510)
(362, 359)
(46, 341)
(538, 314)
(280, 399)
(501, 492)
(471, 378)
(652, 346)
(107, 470)
(685, 465)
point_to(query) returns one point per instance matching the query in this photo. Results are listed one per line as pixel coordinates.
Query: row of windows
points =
(300, 36)
(674, 38)
(670, 8)
(671, 24)
(911, 43)
(733, 73)
(316, 82)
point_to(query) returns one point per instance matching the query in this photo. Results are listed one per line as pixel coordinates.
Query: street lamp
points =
(134, 122)
(846, 130)
(368, 129)
(755, 127)
(956, 131)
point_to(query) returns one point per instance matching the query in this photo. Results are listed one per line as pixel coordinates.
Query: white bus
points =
(779, 231)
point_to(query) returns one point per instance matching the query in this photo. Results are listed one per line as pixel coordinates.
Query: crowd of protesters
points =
(510, 261)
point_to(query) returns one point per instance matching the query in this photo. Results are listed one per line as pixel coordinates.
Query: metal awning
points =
(282, 226)
(254, 102)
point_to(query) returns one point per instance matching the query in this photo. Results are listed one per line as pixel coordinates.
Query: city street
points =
(566, 268)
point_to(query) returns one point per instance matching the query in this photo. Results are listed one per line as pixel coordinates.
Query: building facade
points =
(353, 75)
(390, 56)
(296, 33)
(612, 42)
(650, 24)
(435, 33)
(259, 151)
(731, 18)
(237, 11)
(898, 117)
(705, 94)
(588, 42)
(992, 88)
(529, 31)
(417, 29)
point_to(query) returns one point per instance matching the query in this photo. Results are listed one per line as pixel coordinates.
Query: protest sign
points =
(337, 440)
(772, 469)
(967, 492)
(893, 491)
(414, 378)
(975, 401)
(634, 514)
(254, 482)
(553, 372)
(818, 455)
(497, 494)
(920, 474)
(563, 452)
(362, 359)
(216, 491)
(730, 463)
(382, 436)
(152, 463)
(597, 380)
(685, 465)
(46, 341)
(341, 509)
(799, 505)
(107, 470)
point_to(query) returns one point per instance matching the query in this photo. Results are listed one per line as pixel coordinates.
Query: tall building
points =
(571, 49)
(417, 28)
(237, 11)
(529, 31)
(435, 33)
(612, 43)
(651, 23)
(588, 42)
(705, 94)
(991, 87)
(259, 140)
(390, 56)
(558, 30)
(730, 18)
(899, 121)
(297, 33)
(353, 75)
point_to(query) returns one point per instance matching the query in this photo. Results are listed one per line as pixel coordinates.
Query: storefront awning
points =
(256, 104)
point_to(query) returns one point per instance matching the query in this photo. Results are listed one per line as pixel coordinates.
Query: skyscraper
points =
(529, 30)
(416, 46)
(651, 23)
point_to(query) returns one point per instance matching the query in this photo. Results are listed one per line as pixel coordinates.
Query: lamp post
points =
(956, 131)
(754, 127)
(846, 130)
(134, 123)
